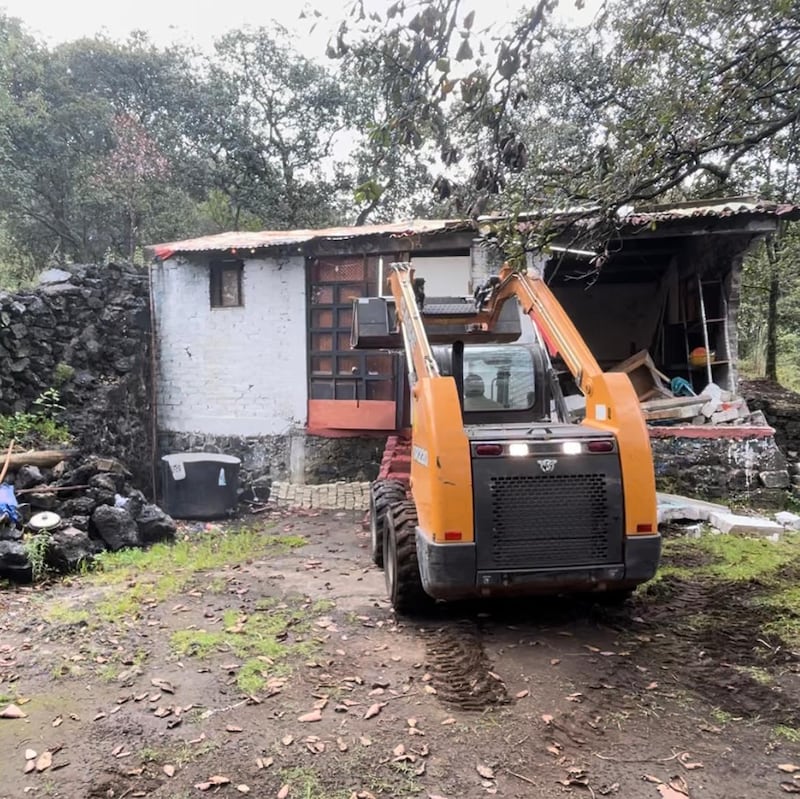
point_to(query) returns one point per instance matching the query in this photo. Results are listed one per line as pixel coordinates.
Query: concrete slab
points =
(673, 507)
(745, 525)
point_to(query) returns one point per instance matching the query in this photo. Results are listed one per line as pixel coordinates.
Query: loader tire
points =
(382, 495)
(403, 581)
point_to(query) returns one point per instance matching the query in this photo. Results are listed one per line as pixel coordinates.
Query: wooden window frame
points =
(216, 272)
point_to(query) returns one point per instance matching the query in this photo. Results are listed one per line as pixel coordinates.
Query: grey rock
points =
(42, 500)
(28, 477)
(9, 532)
(155, 525)
(12, 555)
(104, 481)
(81, 522)
(116, 527)
(78, 506)
(54, 276)
(776, 479)
(69, 547)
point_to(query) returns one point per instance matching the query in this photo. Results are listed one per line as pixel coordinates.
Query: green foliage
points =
(258, 638)
(39, 426)
(63, 373)
(36, 547)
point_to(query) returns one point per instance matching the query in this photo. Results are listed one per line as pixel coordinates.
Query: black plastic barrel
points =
(199, 485)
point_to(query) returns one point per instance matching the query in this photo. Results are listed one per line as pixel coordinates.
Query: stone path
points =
(328, 496)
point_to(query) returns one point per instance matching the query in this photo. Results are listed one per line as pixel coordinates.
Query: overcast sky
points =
(201, 21)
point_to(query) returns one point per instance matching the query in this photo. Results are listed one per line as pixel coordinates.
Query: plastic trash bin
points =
(199, 485)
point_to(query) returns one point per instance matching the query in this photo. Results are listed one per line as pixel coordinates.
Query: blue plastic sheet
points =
(8, 503)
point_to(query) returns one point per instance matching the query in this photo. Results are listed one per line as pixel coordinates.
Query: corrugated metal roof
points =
(719, 209)
(244, 240)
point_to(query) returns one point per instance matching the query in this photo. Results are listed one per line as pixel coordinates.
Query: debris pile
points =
(58, 513)
(711, 406)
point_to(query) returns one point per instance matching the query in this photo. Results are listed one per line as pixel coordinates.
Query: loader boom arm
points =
(611, 402)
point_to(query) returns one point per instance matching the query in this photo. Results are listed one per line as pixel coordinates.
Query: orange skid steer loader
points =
(496, 489)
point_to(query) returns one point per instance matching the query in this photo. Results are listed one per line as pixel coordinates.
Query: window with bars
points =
(335, 370)
(225, 284)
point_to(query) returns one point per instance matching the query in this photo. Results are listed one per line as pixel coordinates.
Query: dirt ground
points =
(674, 695)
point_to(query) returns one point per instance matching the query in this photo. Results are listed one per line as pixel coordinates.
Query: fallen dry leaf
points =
(790, 787)
(678, 784)
(522, 694)
(689, 765)
(243, 788)
(58, 721)
(314, 715)
(651, 686)
(287, 740)
(13, 712)
(164, 685)
(365, 741)
(789, 768)
(30, 754)
(283, 792)
(374, 709)
(449, 720)
(30, 765)
(169, 770)
(485, 772)
(547, 718)
(342, 744)
(555, 661)
(233, 728)
(44, 761)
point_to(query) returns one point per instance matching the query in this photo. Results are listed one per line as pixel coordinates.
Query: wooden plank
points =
(686, 412)
(671, 402)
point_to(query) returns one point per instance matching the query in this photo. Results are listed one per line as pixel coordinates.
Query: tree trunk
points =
(771, 368)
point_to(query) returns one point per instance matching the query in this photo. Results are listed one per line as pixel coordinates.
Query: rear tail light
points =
(644, 528)
(452, 535)
(600, 446)
(489, 450)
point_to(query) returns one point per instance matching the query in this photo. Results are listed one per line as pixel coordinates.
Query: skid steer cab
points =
(502, 484)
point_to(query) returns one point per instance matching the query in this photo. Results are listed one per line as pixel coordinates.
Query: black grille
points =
(548, 521)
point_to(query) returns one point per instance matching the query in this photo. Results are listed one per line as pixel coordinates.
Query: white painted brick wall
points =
(231, 371)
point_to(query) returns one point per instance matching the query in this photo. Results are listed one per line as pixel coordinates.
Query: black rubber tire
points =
(403, 581)
(382, 495)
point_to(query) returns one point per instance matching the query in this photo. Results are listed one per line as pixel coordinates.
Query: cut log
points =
(43, 457)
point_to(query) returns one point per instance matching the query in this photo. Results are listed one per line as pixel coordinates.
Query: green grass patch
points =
(791, 734)
(151, 575)
(259, 639)
(190, 555)
(771, 568)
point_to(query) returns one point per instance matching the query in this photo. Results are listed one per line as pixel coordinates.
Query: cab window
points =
(498, 379)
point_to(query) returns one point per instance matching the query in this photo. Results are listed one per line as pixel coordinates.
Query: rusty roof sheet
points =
(711, 208)
(265, 239)
(244, 240)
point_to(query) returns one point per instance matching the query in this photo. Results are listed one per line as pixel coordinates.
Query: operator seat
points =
(474, 395)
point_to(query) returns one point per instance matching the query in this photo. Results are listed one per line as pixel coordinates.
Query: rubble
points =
(98, 507)
(711, 406)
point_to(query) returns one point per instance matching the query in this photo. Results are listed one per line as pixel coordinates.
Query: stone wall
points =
(296, 457)
(85, 331)
(781, 408)
(729, 465)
